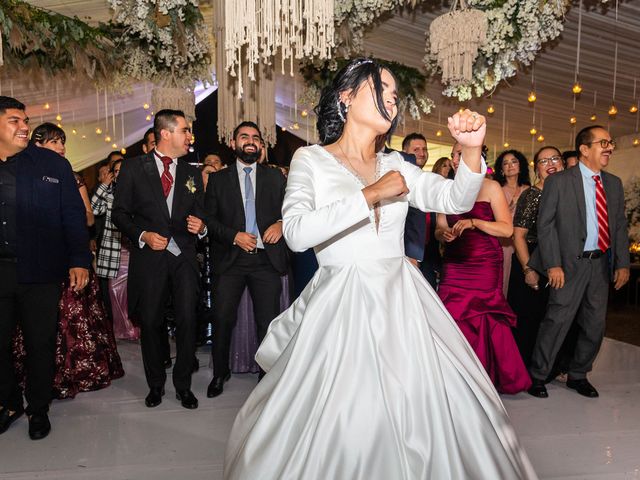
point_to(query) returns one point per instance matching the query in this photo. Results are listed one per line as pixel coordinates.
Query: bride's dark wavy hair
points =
(350, 77)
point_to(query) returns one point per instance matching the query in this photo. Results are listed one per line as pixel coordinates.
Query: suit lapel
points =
(578, 189)
(153, 177)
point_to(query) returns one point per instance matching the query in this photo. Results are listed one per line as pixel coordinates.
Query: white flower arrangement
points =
(632, 207)
(165, 41)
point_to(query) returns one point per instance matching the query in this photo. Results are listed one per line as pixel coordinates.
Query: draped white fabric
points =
(368, 375)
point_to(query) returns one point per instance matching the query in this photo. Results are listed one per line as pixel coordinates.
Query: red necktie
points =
(603, 217)
(166, 178)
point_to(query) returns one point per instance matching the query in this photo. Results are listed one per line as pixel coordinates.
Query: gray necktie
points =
(249, 203)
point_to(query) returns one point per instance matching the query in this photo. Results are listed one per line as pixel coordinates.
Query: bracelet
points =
(473, 226)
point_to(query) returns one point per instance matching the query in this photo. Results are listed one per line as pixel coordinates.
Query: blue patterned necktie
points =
(249, 203)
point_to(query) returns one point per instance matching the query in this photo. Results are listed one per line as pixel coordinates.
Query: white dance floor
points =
(110, 434)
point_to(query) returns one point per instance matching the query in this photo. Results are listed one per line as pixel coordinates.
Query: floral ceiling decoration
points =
(40, 43)
(411, 84)
(632, 207)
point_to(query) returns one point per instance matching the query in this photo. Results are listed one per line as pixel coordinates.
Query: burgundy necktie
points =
(166, 178)
(603, 217)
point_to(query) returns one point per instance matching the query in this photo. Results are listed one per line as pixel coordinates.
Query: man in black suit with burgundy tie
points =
(244, 216)
(158, 205)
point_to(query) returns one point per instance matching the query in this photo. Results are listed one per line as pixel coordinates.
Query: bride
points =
(368, 375)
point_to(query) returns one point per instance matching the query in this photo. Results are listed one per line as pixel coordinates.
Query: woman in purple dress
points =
(471, 284)
(86, 354)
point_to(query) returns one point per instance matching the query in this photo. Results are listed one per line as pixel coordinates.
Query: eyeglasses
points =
(604, 143)
(553, 160)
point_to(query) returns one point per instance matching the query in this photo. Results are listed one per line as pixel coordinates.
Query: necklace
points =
(358, 174)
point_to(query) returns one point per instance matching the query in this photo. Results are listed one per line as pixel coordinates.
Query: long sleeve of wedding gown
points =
(305, 225)
(431, 192)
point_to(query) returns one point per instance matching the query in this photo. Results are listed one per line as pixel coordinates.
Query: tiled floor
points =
(110, 434)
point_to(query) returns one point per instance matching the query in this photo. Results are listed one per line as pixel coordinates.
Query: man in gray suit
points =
(583, 244)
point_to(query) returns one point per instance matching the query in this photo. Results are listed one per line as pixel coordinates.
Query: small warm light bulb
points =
(59, 117)
(505, 144)
(123, 151)
(540, 138)
(193, 139)
(84, 136)
(593, 117)
(491, 109)
(438, 133)
(46, 106)
(114, 145)
(636, 142)
(296, 126)
(532, 97)
(145, 106)
(284, 129)
(98, 131)
(573, 120)
(74, 131)
(59, 125)
(633, 108)
(304, 113)
(461, 109)
(531, 163)
(107, 139)
(613, 110)
(533, 130)
(577, 88)
(148, 118)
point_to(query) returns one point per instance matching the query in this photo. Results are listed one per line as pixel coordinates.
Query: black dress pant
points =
(34, 307)
(265, 286)
(178, 277)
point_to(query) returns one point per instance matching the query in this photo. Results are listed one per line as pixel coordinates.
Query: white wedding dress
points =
(369, 378)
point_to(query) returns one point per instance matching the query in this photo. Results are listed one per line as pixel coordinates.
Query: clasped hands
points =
(460, 226)
(155, 241)
(248, 242)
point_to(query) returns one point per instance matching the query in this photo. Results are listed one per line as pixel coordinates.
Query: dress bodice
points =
(473, 244)
(324, 207)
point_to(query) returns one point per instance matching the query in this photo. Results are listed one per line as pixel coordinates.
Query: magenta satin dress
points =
(471, 289)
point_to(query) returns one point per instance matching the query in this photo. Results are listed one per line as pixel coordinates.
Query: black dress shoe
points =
(155, 397)
(538, 389)
(6, 419)
(583, 387)
(187, 398)
(196, 364)
(167, 363)
(39, 426)
(216, 386)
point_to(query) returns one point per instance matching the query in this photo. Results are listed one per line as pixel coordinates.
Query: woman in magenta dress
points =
(471, 284)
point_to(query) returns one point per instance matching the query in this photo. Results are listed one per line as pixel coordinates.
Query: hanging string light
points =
(491, 109)
(636, 140)
(439, 132)
(505, 142)
(612, 109)
(634, 107)
(532, 97)
(533, 130)
(577, 87)
(541, 136)
(593, 116)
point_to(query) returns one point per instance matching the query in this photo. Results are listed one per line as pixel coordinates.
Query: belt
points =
(592, 254)
(254, 251)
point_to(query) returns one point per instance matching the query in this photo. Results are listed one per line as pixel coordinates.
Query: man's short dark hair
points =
(165, 120)
(584, 136)
(246, 124)
(8, 102)
(412, 136)
(567, 154)
(145, 137)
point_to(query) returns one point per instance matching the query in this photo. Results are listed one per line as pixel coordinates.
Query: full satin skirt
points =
(370, 378)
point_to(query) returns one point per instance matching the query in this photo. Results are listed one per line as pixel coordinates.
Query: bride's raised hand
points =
(390, 185)
(468, 128)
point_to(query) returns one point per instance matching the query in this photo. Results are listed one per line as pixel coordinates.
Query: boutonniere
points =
(191, 185)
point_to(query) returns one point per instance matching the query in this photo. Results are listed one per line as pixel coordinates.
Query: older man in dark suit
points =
(582, 245)
(43, 238)
(158, 205)
(244, 208)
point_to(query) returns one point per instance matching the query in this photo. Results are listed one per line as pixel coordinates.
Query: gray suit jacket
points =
(562, 224)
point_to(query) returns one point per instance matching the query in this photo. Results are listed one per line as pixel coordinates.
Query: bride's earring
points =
(340, 114)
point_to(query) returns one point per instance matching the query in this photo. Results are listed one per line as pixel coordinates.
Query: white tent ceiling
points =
(401, 37)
